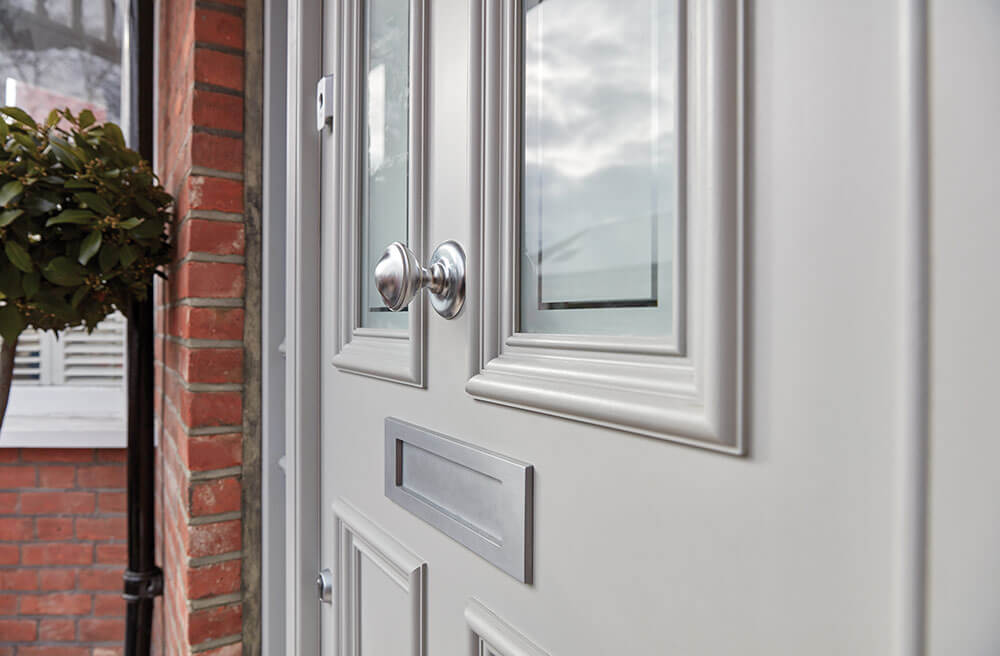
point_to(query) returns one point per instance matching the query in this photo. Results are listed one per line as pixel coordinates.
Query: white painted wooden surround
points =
(852, 325)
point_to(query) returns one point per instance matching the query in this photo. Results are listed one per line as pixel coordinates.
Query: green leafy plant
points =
(82, 226)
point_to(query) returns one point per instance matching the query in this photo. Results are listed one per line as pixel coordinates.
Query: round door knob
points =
(399, 278)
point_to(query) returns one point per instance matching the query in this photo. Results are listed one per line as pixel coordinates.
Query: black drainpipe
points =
(143, 579)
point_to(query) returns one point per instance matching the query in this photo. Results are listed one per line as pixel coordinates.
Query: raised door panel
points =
(381, 593)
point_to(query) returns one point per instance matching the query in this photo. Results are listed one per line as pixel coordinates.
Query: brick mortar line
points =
(202, 431)
(202, 343)
(199, 171)
(206, 172)
(215, 88)
(211, 215)
(208, 388)
(202, 256)
(204, 561)
(218, 132)
(204, 302)
(218, 6)
(215, 474)
(202, 474)
(216, 642)
(215, 601)
(217, 518)
(217, 47)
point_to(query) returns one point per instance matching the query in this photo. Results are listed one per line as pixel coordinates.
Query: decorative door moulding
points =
(491, 636)
(396, 355)
(686, 389)
(358, 538)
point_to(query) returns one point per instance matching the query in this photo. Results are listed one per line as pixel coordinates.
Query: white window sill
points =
(65, 417)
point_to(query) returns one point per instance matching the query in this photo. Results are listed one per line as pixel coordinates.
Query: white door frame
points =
(302, 329)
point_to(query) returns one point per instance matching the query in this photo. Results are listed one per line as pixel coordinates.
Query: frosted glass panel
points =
(600, 151)
(386, 148)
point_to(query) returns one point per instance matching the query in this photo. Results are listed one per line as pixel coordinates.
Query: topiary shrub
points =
(82, 226)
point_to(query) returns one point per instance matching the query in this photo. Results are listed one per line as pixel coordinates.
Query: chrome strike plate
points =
(324, 102)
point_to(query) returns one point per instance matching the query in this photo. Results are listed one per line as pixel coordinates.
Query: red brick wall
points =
(62, 552)
(200, 327)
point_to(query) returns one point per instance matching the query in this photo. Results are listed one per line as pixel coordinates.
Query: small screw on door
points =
(324, 586)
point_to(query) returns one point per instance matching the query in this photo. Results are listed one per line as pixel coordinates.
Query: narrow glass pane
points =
(600, 167)
(386, 153)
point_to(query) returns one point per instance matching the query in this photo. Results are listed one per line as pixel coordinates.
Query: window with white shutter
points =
(73, 358)
(69, 390)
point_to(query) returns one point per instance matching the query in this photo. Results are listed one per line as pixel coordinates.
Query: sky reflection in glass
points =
(600, 167)
(386, 148)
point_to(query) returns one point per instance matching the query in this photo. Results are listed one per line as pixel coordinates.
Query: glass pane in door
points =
(385, 152)
(600, 163)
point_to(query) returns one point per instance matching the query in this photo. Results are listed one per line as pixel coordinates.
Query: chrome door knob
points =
(399, 278)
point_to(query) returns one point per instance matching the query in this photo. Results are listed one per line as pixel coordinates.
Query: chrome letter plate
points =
(479, 498)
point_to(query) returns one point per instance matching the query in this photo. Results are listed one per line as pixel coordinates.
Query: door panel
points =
(381, 595)
(778, 538)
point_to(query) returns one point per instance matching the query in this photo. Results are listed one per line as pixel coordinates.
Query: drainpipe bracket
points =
(143, 585)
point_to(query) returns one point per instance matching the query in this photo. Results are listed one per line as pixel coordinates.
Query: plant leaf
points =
(78, 296)
(19, 115)
(66, 153)
(11, 323)
(18, 256)
(128, 255)
(10, 191)
(91, 244)
(31, 282)
(150, 228)
(145, 205)
(52, 301)
(93, 201)
(114, 133)
(52, 118)
(87, 118)
(8, 216)
(36, 204)
(129, 224)
(80, 217)
(108, 257)
(63, 271)
(10, 282)
(25, 140)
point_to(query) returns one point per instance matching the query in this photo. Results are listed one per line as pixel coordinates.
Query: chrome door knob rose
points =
(399, 278)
